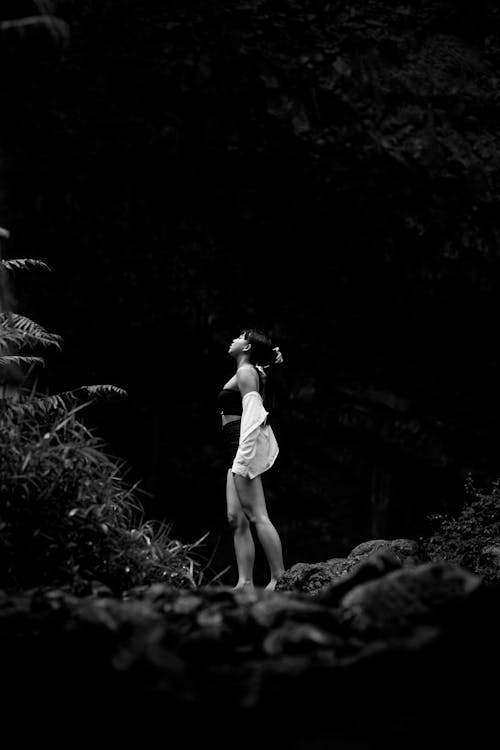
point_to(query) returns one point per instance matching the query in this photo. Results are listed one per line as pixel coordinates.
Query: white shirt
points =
(258, 447)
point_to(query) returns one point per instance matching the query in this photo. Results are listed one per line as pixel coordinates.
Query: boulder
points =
(404, 599)
(406, 550)
(311, 578)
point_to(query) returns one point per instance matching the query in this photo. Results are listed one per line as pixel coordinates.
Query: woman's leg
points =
(253, 502)
(243, 540)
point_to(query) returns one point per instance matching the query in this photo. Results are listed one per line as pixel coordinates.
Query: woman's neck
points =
(242, 359)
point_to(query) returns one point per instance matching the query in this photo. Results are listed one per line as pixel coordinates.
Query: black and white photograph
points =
(249, 373)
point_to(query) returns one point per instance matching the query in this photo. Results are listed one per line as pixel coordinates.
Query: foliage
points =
(69, 518)
(17, 331)
(465, 537)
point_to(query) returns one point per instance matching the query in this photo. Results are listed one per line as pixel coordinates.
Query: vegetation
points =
(468, 537)
(67, 515)
(69, 518)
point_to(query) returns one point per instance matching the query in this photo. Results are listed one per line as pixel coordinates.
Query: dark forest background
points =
(326, 170)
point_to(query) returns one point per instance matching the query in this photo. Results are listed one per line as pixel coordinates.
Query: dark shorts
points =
(231, 440)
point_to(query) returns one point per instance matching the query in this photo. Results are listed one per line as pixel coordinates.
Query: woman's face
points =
(238, 345)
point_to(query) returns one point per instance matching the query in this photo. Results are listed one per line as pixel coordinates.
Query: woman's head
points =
(256, 345)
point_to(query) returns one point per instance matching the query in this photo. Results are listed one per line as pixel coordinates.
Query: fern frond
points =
(84, 391)
(43, 406)
(13, 323)
(22, 339)
(61, 402)
(13, 360)
(14, 337)
(104, 391)
(21, 323)
(23, 264)
(46, 404)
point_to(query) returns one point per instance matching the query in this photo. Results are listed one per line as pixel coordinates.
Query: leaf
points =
(6, 361)
(17, 338)
(68, 399)
(201, 539)
(103, 390)
(42, 406)
(68, 395)
(219, 574)
(20, 329)
(24, 264)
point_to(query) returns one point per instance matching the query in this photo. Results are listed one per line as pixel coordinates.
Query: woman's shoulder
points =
(247, 373)
(249, 367)
(246, 369)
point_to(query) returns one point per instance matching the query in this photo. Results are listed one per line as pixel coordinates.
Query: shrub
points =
(67, 516)
(464, 538)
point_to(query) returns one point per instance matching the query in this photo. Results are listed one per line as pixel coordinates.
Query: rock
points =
(184, 605)
(407, 550)
(310, 662)
(152, 592)
(310, 578)
(272, 611)
(376, 565)
(406, 598)
(293, 637)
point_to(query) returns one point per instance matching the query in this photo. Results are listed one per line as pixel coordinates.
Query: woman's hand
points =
(279, 356)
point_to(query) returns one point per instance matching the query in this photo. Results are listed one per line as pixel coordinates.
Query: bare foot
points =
(271, 585)
(247, 585)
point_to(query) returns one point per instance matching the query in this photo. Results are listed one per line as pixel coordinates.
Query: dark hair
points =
(263, 355)
(261, 352)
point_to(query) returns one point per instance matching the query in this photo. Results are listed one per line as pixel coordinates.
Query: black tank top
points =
(229, 399)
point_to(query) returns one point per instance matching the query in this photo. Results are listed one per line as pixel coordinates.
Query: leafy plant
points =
(18, 331)
(67, 515)
(465, 538)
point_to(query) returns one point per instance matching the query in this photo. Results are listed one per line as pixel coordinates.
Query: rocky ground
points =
(381, 649)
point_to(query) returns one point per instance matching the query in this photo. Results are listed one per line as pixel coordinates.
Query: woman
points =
(251, 449)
